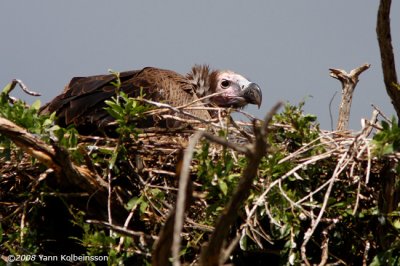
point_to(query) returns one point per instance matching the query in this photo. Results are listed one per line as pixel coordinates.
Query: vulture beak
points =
(252, 94)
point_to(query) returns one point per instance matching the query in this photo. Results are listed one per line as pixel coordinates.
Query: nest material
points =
(151, 163)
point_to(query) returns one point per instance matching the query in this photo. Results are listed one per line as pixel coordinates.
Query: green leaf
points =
(133, 203)
(223, 186)
(396, 224)
(385, 125)
(113, 160)
(143, 206)
(243, 242)
(36, 105)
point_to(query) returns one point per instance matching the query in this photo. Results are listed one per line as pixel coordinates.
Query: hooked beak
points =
(252, 94)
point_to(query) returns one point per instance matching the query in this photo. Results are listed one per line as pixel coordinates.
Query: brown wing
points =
(82, 102)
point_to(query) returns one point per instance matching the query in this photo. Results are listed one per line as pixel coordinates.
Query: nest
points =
(155, 164)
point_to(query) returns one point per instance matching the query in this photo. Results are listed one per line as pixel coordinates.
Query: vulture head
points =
(232, 89)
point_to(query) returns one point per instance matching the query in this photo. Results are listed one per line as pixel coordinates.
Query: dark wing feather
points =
(83, 99)
(82, 102)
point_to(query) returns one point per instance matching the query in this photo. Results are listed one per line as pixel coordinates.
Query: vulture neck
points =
(203, 79)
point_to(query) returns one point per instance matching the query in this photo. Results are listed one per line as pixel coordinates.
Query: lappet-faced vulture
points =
(82, 101)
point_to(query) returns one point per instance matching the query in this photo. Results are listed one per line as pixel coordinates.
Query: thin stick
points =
(181, 200)
(123, 230)
(24, 88)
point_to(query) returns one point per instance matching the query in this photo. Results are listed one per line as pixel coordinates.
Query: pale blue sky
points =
(285, 46)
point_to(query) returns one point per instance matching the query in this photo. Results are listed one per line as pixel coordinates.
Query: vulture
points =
(82, 101)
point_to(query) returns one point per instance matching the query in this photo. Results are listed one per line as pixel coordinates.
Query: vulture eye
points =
(225, 83)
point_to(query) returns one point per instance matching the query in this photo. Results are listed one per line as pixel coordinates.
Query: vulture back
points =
(82, 101)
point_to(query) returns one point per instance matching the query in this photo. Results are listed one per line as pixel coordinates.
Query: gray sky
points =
(285, 46)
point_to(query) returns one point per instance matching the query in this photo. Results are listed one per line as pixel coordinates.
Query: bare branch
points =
(224, 142)
(184, 195)
(122, 230)
(387, 57)
(14, 83)
(349, 82)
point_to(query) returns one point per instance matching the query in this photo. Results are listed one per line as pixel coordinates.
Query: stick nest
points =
(306, 189)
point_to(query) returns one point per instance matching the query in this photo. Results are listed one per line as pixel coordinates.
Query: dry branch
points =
(22, 85)
(349, 82)
(67, 173)
(387, 57)
(52, 156)
(123, 230)
(184, 196)
(390, 194)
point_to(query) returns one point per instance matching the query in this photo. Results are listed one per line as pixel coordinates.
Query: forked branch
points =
(349, 82)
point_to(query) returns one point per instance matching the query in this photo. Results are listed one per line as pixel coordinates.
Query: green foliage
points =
(217, 177)
(25, 116)
(388, 139)
(26, 243)
(390, 257)
(126, 111)
(41, 125)
(303, 129)
(150, 199)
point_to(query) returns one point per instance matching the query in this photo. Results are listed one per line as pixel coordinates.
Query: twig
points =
(365, 255)
(123, 230)
(23, 223)
(181, 203)
(330, 109)
(109, 191)
(368, 164)
(325, 243)
(381, 113)
(367, 127)
(303, 149)
(175, 109)
(242, 149)
(357, 197)
(201, 100)
(244, 133)
(14, 83)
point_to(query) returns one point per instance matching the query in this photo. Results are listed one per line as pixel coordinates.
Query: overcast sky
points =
(285, 46)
